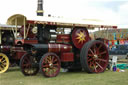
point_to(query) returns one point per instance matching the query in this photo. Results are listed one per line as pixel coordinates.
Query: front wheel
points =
(4, 63)
(28, 65)
(94, 56)
(50, 65)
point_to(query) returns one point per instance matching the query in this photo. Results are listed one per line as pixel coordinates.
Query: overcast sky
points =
(114, 11)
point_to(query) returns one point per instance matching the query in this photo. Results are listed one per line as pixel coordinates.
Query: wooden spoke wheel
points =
(79, 37)
(94, 56)
(4, 63)
(28, 65)
(50, 65)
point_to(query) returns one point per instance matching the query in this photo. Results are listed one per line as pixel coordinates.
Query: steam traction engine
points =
(48, 44)
(51, 44)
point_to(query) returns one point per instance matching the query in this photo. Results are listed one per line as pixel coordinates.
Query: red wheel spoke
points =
(44, 66)
(95, 49)
(56, 65)
(55, 60)
(52, 59)
(99, 65)
(99, 56)
(95, 67)
(49, 58)
(55, 68)
(101, 60)
(46, 60)
(99, 46)
(104, 52)
(91, 51)
(90, 55)
(90, 59)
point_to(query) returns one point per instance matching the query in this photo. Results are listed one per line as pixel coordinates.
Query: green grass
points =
(14, 77)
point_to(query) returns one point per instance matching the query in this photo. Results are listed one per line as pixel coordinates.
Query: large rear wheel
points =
(94, 56)
(4, 63)
(50, 65)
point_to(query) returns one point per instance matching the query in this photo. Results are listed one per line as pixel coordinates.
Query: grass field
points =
(14, 77)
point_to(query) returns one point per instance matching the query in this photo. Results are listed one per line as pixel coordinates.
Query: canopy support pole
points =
(0, 37)
(24, 29)
(16, 27)
(27, 30)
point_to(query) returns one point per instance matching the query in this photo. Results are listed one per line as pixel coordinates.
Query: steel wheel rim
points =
(26, 65)
(50, 65)
(4, 63)
(79, 37)
(97, 57)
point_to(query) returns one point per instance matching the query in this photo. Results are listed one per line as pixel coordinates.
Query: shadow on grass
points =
(13, 69)
(39, 74)
(64, 74)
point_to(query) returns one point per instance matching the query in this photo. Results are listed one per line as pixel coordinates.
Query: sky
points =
(114, 11)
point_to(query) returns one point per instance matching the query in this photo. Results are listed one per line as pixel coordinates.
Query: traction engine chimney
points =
(40, 8)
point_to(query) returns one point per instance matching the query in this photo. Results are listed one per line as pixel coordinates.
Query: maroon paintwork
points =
(58, 48)
(14, 51)
(75, 36)
(63, 38)
(67, 57)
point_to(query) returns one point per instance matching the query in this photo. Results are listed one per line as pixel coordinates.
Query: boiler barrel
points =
(40, 47)
(59, 48)
(56, 48)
